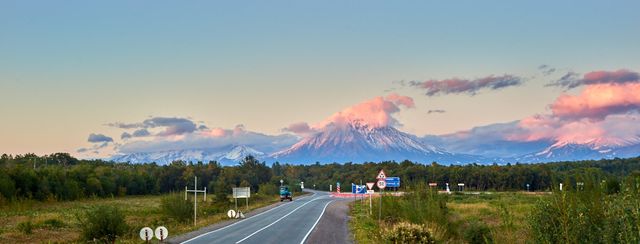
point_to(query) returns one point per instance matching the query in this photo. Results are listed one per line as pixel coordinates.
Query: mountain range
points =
(356, 141)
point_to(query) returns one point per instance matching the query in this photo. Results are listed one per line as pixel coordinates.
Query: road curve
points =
(290, 222)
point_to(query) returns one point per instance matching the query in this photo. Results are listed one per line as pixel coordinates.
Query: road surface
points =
(289, 222)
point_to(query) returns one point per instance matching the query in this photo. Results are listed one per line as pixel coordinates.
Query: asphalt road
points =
(290, 222)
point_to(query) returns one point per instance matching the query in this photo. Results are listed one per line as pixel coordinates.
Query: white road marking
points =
(242, 220)
(314, 224)
(274, 222)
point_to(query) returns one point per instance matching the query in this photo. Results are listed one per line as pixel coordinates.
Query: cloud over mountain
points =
(376, 112)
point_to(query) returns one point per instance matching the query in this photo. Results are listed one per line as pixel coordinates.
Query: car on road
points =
(285, 193)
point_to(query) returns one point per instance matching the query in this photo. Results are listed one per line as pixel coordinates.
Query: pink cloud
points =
(376, 112)
(401, 100)
(217, 132)
(471, 87)
(572, 80)
(606, 112)
(300, 128)
(598, 101)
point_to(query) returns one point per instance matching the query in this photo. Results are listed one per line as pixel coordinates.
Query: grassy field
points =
(57, 222)
(503, 214)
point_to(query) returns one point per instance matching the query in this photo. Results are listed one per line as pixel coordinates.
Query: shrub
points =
(54, 223)
(405, 232)
(26, 227)
(103, 224)
(174, 206)
(478, 232)
(268, 189)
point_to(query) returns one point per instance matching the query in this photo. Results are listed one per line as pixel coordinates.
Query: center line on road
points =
(241, 221)
(274, 222)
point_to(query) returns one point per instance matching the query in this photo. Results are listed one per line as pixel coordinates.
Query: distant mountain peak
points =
(356, 141)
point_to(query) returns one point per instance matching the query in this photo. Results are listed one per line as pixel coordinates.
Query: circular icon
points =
(146, 234)
(162, 233)
(231, 213)
(381, 184)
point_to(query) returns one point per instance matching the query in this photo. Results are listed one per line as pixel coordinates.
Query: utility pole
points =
(195, 197)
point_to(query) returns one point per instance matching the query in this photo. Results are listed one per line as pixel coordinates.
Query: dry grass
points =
(140, 211)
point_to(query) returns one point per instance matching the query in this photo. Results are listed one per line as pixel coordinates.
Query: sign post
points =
(162, 233)
(195, 197)
(146, 234)
(370, 191)
(242, 192)
(382, 183)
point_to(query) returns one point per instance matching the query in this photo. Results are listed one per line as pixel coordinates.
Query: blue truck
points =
(285, 194)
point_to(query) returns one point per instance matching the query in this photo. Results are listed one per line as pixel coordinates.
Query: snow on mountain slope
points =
(358, 142)
(225, 156)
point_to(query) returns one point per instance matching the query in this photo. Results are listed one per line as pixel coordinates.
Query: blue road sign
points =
(392, 181)
(358, 189)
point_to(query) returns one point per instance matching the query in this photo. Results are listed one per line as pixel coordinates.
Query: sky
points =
(73, 69)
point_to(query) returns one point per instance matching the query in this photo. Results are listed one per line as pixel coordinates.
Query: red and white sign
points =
(381, 184)
(381, 175)
(370, 185)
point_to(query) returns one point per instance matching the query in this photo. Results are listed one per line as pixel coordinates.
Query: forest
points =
(61, 177)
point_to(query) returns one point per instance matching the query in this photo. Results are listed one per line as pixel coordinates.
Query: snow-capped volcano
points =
(225, 156)
(357, 141)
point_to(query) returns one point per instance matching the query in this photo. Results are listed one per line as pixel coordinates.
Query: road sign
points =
(358, 189)
(370, 185)
(433, 184)
(370, 191)
(162, 233)
(241, 192)
(392, 181)
(146, 234)
(381, 184)
(381, 175)
(231, 213)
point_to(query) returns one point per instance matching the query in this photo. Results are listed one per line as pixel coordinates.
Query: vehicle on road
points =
(285, 193)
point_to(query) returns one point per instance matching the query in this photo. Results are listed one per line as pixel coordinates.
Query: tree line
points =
(60, 176)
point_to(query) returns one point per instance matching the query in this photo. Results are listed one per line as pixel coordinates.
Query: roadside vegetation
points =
(47, 198)
(588, 210)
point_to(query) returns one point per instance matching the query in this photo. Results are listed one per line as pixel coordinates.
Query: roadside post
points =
(162, 233)
(382, 183)
(146, 234)
(370, 192)
(195, 197)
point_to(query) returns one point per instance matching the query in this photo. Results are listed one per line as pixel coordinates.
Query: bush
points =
(54, 223)
(405, 232)
(268, 189)
(103, 224)
(478, 232)
(174, 206)
(26, 227)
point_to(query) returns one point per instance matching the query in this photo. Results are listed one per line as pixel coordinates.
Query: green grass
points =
(503, 213)
(56, 222)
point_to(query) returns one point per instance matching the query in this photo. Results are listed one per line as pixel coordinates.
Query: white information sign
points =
(146, 234)
(241, 192)
(162, 233)
(370, 191)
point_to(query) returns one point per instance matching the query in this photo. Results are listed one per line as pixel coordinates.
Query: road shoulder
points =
(334, 224)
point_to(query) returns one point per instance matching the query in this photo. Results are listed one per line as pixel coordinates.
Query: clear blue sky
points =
(69, 67)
